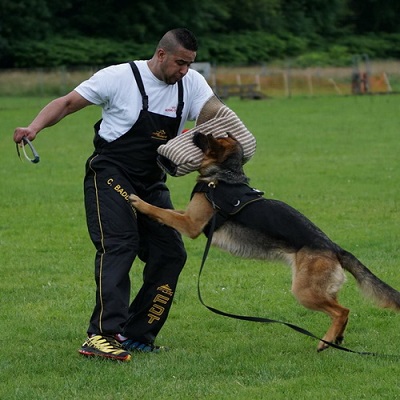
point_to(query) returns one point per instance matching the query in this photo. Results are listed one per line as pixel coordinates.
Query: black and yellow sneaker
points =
(104, 346)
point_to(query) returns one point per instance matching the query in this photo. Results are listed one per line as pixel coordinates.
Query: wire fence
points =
(255, 82)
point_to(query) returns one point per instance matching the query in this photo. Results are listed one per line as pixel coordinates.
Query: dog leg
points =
(190, 222)
(339, 317)
(317, 279)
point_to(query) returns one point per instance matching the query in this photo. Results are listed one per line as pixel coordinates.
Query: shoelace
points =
(105, 344)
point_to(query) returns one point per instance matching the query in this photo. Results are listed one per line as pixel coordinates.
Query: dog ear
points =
(196, 134)
(201, 141)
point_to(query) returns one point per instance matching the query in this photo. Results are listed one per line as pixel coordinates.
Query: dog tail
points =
(371, 286)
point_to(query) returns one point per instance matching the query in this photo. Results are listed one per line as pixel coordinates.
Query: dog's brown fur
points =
(317, 266)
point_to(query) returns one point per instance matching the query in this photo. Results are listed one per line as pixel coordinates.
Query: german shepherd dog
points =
(270, 229)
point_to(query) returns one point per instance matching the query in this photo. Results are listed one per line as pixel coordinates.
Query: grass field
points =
(335, 158)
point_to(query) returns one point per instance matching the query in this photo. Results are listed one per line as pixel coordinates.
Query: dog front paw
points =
(139, 205)
(135, 200)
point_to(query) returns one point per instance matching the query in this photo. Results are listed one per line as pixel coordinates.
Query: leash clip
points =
(212, 185)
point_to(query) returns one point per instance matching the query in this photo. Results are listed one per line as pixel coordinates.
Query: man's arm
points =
(55, 111)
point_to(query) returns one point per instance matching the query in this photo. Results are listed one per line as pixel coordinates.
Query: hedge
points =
(244, 48)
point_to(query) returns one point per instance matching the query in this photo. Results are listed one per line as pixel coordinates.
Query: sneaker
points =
(104, 346)
(133, 345)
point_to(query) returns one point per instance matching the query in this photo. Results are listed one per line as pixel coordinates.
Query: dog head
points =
(221, 155)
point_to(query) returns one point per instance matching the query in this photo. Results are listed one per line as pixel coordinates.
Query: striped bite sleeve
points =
(181, 156)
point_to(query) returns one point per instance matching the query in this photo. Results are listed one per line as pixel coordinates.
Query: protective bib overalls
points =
(114, 171)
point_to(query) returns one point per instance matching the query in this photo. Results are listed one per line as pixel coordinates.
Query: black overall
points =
(115, 170)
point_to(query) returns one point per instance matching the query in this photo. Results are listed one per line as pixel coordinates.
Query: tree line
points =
(91, 32)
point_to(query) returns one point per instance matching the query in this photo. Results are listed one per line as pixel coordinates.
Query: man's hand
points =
(27, 132)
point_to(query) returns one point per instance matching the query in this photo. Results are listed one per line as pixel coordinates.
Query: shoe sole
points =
(88, 353)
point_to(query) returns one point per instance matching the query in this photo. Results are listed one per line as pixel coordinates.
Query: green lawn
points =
(336, 159)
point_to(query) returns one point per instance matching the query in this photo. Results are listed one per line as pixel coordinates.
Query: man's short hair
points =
(178, 37)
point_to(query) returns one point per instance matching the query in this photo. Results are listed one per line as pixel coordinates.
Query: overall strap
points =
(180, 99)
(136, 73)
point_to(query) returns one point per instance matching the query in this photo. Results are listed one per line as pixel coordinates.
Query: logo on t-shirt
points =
(171, 109)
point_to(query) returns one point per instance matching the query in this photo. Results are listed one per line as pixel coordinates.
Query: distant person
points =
(144, 104)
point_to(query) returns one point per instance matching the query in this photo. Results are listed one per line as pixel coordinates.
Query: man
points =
(144, 104)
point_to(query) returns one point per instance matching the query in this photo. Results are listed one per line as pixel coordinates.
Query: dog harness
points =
(227, 198)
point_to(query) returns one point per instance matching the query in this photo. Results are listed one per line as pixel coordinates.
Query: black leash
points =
(260, 319)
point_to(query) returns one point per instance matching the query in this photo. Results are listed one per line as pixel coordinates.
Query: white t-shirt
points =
(115, 89)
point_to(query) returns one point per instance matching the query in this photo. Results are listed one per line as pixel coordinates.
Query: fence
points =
(248, 82)
(41, 81)
(287, 82)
